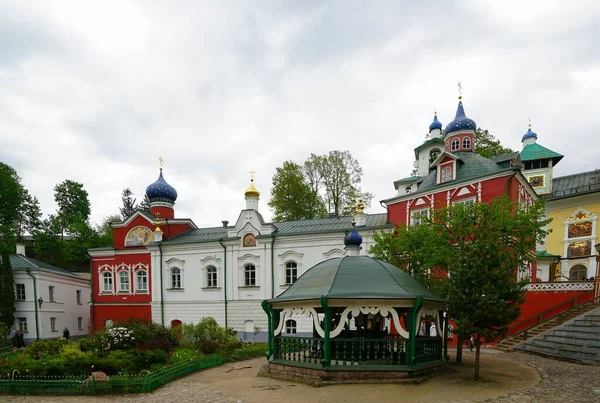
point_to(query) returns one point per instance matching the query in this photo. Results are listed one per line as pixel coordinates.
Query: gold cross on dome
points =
(530, 123)
(161, 161)
(252, 172)
(459, 90)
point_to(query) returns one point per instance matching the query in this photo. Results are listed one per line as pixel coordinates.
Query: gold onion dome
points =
(252, 191)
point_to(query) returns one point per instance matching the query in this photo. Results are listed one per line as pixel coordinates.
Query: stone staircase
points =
(576, 340)
(508, 344)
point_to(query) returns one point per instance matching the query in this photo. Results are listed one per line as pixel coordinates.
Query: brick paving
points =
(561, 382)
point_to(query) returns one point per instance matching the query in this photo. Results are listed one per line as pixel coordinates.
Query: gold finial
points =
(161, 161)
(459, 91)
(360, 208)
(530, 123)
(435, 111)
(252, 191)
(157, 221)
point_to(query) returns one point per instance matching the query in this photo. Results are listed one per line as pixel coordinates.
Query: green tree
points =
(292, 198)
(30, 215)
(487, 145)
(144, 204)
(73, 205)
(337, 177)
(7, 292)
(129, 206)
(485, 248)
(11, 201)
(105, 231)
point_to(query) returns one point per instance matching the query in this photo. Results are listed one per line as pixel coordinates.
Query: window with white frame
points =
(53, 324)
(175, 277)
(141, 280)
(417, 216)
(446, 174)
(291, 272)
(51, 293)
(290, 326)
(20, 292)
(22, 324)
(466, 142)
(249, 275)
(78, 293)
(211, 277)
(107, 282)
(123, 281)
(465, 202)
(578, 273)
(455, 145)
(79, 323)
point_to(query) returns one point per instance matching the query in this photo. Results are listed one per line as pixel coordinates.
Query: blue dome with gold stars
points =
(529, 135)
(353, 238)
(161, 190)
(436, 124)
(460, 122)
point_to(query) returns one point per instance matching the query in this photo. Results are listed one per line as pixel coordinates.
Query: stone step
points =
(582, 328)
(578, 341)
(578, 355)
(574, 333)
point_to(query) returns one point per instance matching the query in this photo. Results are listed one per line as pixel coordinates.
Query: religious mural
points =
(139, 236)
(580, 229)
(578, 249)
(249, 240)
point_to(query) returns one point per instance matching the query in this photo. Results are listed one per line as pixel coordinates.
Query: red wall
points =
(118, 314)
(142, 257)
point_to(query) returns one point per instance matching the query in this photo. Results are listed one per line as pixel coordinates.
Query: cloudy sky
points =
(97, 91)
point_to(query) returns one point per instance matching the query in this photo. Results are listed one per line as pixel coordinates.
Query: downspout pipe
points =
(92, 313)
(35, 305)
(272, 265)
(162, 300)
(224, 277)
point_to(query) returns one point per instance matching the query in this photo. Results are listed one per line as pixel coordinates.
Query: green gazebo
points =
(366, 316)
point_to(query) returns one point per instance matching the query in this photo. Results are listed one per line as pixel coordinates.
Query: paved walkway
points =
(560, 382)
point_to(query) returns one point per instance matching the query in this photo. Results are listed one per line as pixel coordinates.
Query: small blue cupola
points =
(161, 191)
(529, 135)
(460, 122)
(436, 124)
(353, 238)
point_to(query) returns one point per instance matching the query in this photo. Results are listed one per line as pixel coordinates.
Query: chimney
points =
(20, 249)
(225, 223)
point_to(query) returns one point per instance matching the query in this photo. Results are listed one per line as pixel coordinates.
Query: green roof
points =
(540, 254)
(575, 185)
(427, 142)
(355, 277)
(285, 228)
(532, 152)
(20, 262)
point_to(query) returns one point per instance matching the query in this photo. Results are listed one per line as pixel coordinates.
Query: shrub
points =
(42, 348)
(151, 336)
(207, 336)
(120, 338)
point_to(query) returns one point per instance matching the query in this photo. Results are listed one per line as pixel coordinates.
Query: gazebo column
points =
(411, 346)
(275, 324)
(270, 328)
(326, 332)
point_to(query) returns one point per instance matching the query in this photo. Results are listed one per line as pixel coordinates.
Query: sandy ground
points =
(499, 376)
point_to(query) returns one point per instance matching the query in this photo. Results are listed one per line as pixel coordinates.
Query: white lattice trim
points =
(561, 286)
(427, 312)
(354, 311)
(306, 312)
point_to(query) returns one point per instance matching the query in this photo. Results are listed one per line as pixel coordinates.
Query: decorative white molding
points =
(420, 201)
(287, 313)
(336, 252)
(561, 286)
(290, 254)
(463, 191)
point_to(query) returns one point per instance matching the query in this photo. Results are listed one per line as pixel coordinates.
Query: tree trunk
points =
(459, 348)
(477, 349)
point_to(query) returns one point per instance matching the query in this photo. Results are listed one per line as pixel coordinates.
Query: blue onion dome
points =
(161, 190)
(436, 124)
(529, 135)
(460, 122)
(353, 238)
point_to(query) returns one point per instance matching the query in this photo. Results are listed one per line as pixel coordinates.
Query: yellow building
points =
(574, 206)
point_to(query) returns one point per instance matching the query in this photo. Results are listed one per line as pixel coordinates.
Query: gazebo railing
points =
(388, 351)
(298, 349)
(428, 349)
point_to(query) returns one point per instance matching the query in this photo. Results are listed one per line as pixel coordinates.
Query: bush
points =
(151, 336)
(208, 336)
(43, 348)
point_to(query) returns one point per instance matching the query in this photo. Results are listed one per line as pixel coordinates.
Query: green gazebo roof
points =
(355, 277)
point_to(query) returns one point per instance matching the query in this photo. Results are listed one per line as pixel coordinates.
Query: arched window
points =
(249, 275)
(291, 272)
(175, 277)
(123, 280)
(211, 276)
(107, 282)
(290, 326)
(577, 273)
(142, 280)
(466, 142)
(455, 144)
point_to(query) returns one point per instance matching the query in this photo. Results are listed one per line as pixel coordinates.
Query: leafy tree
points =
(11, 200)
(291, 197)
(7, 292)
(485, 248)
(487, 145)
(30, 215)
(105, 231)
(128, 204)
(337, 175)
(144, 204)
(73, 205)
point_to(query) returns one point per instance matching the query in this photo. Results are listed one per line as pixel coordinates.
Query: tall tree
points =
(129, 206)
(145, 203)
(487, 145)
(73, 205)
(485, 248)
(104, 230)
(338, 175)
(30, 215)
(292, 198)
(11, 201)
(7, 292)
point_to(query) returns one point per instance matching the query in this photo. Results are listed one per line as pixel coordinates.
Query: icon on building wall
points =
(580, 229)
(139, 236)
(579, 249)
(249, 240)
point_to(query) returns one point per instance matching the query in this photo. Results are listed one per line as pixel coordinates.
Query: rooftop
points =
(22, 263)
(532, 152)
(574, 185)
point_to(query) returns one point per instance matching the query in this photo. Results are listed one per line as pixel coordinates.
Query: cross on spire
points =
(459, 90)
(161, 161)
(252, 172)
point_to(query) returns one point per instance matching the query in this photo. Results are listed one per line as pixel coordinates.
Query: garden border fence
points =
(15, 384)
